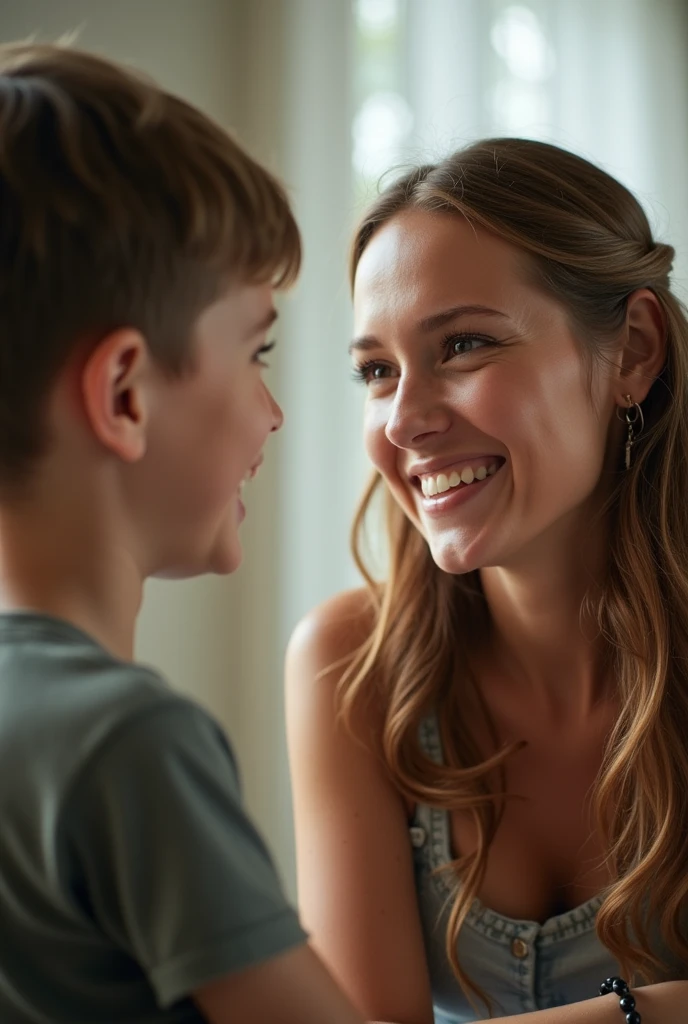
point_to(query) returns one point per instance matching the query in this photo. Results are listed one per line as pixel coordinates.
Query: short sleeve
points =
(173, 870)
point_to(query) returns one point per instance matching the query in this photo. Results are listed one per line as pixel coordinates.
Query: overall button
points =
(418, 836)
(519, 948)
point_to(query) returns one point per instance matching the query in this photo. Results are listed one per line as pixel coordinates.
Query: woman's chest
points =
(546, 856)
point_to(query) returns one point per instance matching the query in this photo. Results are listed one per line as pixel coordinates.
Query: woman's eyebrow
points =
(429, 323)
(363, 344)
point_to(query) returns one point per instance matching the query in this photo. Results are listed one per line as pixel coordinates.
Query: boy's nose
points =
(276, 411)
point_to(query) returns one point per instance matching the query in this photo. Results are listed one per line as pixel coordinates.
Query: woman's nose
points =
(418, 410)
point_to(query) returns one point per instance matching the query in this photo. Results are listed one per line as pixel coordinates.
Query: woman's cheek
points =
(379, 448)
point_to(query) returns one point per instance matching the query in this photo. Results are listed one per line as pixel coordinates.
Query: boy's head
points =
(139, 246)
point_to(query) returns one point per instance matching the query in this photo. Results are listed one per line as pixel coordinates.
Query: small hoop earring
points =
(635, 422)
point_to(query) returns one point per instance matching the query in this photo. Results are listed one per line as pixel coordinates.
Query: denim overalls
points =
(522, 965)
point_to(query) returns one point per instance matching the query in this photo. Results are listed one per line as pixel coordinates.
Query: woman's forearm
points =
(666, 1003)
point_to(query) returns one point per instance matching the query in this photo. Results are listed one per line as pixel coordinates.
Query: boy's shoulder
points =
(122, 815)
(64, 699)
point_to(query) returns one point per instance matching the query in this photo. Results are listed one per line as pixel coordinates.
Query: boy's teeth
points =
(432, 485)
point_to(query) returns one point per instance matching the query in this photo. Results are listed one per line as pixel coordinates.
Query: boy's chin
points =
(222, 560)
(226, 562)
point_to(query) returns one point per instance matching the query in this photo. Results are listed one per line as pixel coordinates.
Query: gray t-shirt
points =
(130, 874)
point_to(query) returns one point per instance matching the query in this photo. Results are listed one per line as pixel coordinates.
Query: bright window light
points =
(518, 37)
(377, 17)
(380, 129)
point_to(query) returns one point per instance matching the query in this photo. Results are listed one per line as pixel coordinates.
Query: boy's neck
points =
(61, 562)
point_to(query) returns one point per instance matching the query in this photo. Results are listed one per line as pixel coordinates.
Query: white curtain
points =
(605, 78)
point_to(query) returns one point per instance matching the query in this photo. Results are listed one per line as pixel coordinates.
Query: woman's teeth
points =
(432, 485)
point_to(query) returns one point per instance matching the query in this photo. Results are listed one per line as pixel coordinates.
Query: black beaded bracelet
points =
(626, 1000)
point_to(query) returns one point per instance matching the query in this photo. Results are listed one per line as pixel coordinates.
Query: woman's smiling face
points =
(484, 417)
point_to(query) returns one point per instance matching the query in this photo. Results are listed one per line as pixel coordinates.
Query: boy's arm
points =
(293, 988)
(174, 873)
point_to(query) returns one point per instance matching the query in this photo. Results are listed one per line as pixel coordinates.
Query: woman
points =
(488, 748)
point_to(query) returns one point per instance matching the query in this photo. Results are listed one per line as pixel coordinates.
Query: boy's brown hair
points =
(120, 205)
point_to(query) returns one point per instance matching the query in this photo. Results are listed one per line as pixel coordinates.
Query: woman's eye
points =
(463, 344)
(366, 373)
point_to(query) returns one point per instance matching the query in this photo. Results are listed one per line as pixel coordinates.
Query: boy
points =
(139, 247)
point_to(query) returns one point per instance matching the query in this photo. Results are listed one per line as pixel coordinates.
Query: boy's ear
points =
(644, 351)
(112, 385)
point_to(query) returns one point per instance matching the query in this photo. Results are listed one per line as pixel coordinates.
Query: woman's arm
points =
(355, 875)
(355, 869)
(666, 1003)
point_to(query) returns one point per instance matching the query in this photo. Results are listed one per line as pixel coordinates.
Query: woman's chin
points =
(457, 559)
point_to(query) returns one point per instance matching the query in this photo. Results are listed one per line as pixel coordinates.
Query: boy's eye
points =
(263, 351)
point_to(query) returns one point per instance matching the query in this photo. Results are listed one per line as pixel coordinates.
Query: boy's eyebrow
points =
(264, 325)
(430, 323)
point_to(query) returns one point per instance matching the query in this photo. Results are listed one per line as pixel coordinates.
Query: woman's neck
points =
(544, 634)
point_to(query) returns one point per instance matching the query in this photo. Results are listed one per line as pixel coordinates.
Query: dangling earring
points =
(633, 417)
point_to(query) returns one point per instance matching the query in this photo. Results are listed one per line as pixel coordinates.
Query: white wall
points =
(295, 115)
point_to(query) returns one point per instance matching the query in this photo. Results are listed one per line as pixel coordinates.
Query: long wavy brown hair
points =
(590, 245)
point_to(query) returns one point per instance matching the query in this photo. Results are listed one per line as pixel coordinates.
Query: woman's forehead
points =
(422, 263)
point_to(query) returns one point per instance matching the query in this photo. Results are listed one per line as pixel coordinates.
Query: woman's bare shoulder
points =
(333, 630)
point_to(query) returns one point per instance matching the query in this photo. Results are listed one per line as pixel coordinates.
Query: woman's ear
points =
(114, 394)
(644, 349)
